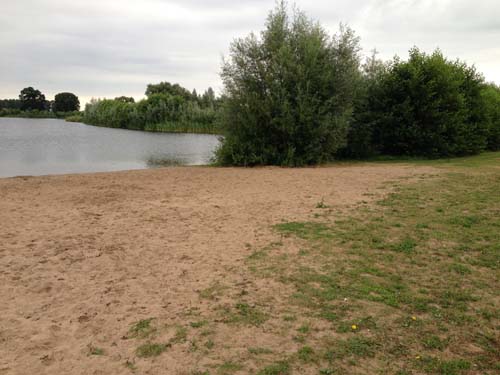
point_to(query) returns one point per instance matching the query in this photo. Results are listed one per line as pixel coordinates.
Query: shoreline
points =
(69, 120)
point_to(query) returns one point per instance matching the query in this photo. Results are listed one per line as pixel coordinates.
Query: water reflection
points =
(165, 162)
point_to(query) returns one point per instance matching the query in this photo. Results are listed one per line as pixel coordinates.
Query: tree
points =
(66, 102)
(491, 97)
(168, 89)
(426, 106)
(208, 98)
(125, 99)
(289, 93)
(10, 104)
(360, 135)
(32, 99)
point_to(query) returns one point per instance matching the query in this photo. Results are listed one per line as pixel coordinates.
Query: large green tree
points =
(167, 88)
(125, 99)
(289, 93)
(66, 102)
(491, 97)
(32, 99)
(425, 106)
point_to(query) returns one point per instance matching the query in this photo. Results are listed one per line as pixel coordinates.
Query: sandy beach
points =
(84, 257)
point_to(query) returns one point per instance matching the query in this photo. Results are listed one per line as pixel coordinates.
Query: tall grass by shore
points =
(183, 127)
(16, 113)
(175, 111)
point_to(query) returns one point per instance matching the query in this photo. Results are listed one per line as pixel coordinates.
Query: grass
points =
(184, 127)
(198, 324)
(416, 274)
(259, 351)
(356, 346)
(243, 313)
(180, 335)
(142, 329)
(278, 368)
(150, 350)
(228, 368)
(306, 354)
(213, 292)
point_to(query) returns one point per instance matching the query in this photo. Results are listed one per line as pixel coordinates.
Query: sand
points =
(83, 257)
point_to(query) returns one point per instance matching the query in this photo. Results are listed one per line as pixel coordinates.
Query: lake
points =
(45, 146)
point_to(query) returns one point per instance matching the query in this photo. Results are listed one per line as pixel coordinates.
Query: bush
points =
(160, 112)
(360, 134)
(289, 93)
(426, 106)
(66, 102)
(491, 97)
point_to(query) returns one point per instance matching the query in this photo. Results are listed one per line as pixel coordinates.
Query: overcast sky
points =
(107, 48)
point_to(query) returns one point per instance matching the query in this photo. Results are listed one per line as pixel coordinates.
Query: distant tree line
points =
(167, 107)
(298, 96)
(32, 103)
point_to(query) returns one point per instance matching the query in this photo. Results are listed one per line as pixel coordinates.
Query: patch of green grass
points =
(306, 354)
(304, 329)
(257, 255)
(213, 291)
(357, 346)
(228, 368)
(434, 343)
(289, 318)
(142, 329)
(180, 335)
(305, 230)
(406, 246)
(456, 298)
(149, 350)
(243, 313)
(445, 367)
(198, 324)
(278, 368)
(259, 351)
(459, 268)
(466, 221)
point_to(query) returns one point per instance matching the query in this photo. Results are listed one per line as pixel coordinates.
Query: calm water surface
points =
(44, 146)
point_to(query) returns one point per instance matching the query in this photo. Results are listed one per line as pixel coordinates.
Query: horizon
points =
(98, 50)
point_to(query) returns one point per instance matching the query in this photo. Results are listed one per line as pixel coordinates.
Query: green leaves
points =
(289, 93)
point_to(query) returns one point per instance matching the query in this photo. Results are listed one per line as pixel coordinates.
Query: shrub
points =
(426, 106)
(66, 102)
(159, 112)
(491, 97)
(289, 93)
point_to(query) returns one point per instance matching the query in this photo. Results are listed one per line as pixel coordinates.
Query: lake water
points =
(44, 146)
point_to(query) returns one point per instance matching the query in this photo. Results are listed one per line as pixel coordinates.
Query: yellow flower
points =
(354, 327)
(417, 357)
(414, 318)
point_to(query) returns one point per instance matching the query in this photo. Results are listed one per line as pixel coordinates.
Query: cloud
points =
(99, 48)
